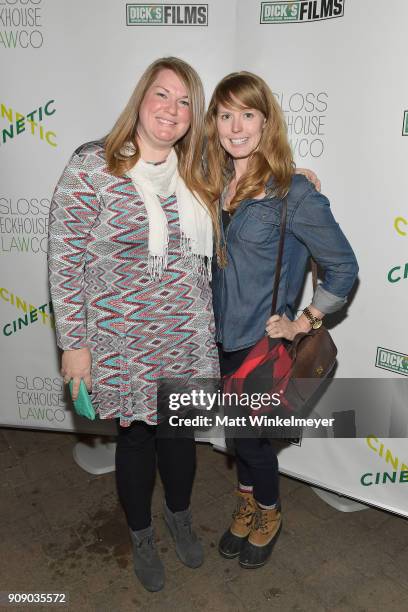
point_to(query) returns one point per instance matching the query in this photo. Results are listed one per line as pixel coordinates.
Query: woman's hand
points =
(311, 176)
(282, 327)
(76, 364)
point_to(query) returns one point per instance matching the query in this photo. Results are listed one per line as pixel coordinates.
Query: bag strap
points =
(284, 214)
(278, 267)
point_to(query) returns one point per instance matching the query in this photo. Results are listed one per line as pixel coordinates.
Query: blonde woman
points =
(250, 170)
(129, 252)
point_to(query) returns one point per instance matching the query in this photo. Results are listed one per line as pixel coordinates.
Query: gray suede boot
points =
(148, 567)
(188, 548)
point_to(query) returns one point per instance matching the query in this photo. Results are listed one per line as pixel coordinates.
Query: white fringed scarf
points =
(153, 180)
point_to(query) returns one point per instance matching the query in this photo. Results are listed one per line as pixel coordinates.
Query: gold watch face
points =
(317, 324)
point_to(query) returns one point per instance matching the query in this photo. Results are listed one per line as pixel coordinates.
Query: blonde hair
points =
(272, 158)
(188, 148)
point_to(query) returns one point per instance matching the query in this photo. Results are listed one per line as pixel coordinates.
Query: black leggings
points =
(136, 450)
(257, 463)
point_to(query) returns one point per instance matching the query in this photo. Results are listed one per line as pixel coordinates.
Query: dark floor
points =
(61, 530)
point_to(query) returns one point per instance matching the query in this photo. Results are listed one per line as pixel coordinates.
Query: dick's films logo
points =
(392, 361)
(167, 14)
(301, 11)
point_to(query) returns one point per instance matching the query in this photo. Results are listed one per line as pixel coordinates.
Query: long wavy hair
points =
(188, 148)
(272, 158)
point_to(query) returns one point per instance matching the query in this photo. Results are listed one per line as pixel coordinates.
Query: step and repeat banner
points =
(67, 70)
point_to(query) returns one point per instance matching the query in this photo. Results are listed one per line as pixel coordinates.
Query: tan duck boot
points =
(231, 542)
(257, 548)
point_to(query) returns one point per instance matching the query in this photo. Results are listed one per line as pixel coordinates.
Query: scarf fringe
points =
(200, 264)
(156, 264)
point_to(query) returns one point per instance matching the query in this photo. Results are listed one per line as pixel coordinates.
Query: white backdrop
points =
(67, 70)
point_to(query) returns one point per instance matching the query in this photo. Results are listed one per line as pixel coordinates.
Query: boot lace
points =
(147, 547)
(243, 511)
(186, 526)
(262, 522)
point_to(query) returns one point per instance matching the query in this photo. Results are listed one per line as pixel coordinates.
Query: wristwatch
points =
(314, 321)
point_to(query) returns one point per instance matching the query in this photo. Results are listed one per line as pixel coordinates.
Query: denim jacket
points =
(242, 292)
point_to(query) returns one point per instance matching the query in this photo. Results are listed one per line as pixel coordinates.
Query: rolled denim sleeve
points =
(314, 225)
(327, 302)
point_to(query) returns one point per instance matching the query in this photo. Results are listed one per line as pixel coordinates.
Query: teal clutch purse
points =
(83, 405)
